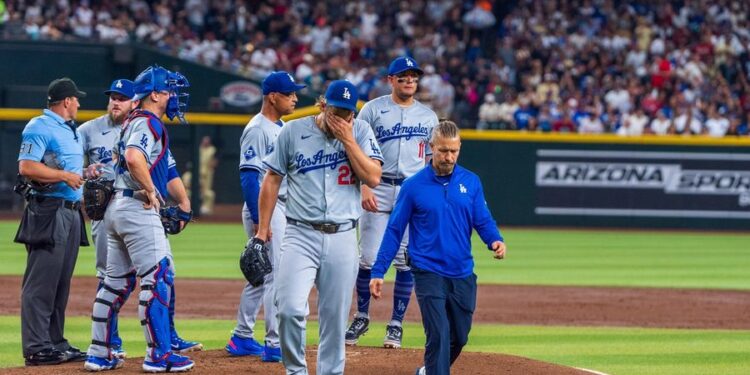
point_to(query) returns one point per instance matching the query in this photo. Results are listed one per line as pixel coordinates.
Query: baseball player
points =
(137, 240)
(98, 139)
(402, 126)
(324, 158)
(258, 139)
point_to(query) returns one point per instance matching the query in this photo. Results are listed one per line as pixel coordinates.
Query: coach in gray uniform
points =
(258, 140)
(323, 157)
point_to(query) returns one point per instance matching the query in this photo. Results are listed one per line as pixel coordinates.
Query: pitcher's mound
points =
(359, 361)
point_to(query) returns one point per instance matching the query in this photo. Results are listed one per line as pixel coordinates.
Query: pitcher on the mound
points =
(324, 158)
(402, 126)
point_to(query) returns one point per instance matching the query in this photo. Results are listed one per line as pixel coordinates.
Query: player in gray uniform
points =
(257, 141)
(402, 126)
(98, 139)
(136, 237)
(324, 158)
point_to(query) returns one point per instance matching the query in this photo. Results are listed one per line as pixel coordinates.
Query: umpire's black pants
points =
(46, 282)
(447, 307)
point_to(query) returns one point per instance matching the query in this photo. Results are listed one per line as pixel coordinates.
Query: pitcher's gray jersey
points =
(136, 134)
(257, 141)
(322, 185)
(98, 137)
(402, 133)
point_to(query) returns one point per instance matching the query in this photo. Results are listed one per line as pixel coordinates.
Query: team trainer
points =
(441, 204)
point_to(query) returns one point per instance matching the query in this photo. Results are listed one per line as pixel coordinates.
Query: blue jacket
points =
(440, 219)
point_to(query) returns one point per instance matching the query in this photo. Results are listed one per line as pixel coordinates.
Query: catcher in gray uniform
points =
(258, 140)
(324, 158)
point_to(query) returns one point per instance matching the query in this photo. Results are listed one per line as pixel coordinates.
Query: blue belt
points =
(128, 193)
(392, 181)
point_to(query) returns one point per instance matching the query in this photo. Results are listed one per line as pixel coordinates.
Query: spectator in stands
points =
(660, 124)
(716, 124)
(633, 124)
(489, 113)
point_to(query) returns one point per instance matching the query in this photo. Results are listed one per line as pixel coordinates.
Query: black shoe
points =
(358, 328)
(74, 354)
(45, 357)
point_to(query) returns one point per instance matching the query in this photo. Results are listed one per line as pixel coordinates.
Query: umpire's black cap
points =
(62, 88)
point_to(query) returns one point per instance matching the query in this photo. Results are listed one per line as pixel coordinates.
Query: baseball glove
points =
(255, 262)
(172, 217)
(96, 196)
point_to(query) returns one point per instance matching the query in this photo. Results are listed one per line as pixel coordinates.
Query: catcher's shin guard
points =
(153, 309)
(112, 294)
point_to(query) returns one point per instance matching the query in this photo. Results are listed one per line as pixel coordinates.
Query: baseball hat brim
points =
(109, 92)
(341, 104)
(417, 70)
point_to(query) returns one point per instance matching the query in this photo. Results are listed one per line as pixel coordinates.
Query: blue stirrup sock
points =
(363, 293)
(401, 294)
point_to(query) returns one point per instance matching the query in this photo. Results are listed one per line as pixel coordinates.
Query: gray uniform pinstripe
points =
(256, 143)
(322, 188)
(98, 138)
(403, 134)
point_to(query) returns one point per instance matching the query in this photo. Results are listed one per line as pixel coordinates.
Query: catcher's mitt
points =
(96, 196)
(172, 216)
(255, 262)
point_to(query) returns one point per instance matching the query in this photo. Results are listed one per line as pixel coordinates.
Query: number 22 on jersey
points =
(346, 177)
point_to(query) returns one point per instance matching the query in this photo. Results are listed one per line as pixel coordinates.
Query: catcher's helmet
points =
(156, 78)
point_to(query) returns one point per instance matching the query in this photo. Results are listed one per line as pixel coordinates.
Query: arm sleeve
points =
(482, 219)
(394, 232)
(33, 146)
(250, 191)
(278, 159)
(172, 171)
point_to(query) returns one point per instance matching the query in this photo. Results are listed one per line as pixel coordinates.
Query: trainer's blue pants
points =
(447, 307)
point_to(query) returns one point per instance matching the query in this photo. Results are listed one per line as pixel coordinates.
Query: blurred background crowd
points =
(587, 66)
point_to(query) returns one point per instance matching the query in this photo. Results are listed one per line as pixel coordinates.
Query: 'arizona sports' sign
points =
(643, 184)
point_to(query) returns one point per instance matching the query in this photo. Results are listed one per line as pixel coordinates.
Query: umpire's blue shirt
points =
(49, 140)
(440, 216)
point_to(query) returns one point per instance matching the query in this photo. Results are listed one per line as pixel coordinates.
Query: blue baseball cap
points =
(342, 94)
(402, 64)
(280, 81)
(123, 87)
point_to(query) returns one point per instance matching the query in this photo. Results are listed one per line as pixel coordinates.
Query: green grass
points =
(535, 256)
(619, 351)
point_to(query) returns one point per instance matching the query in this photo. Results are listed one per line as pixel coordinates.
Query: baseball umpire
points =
(257, 141)
(324, 158)
(137, 237)
(442, 203)
(50, 163)
(402, 126)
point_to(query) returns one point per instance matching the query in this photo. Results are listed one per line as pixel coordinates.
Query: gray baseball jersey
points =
(136, 134)
(402, 133)
(257, 141)
(322, 186)
(98, 137)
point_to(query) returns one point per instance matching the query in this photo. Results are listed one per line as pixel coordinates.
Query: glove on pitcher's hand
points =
(255, 262)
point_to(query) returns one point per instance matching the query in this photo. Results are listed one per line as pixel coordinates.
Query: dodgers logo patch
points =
(269, 148)
(250, 153)
(144, 140)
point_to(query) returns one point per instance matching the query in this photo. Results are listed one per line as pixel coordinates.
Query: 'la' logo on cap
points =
(346, 95)
(119, 84)
(409, 63)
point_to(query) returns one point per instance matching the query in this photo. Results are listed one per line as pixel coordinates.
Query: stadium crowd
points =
(588, 66)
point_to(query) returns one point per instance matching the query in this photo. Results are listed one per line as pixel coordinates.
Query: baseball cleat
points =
(183, 346)
(271, 354)
(173, 363)
(102, 364)
(241, 346)
(420, 371)
(393, 337)
(359, 327)
(119, 352)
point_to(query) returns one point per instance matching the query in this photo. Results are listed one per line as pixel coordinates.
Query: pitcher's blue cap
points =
(342, 94)
(123, 87)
